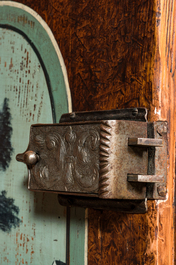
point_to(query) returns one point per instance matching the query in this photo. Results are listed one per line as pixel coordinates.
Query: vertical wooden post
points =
(145, 239)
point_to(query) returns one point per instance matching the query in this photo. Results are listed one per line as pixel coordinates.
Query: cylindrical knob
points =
(29, 158)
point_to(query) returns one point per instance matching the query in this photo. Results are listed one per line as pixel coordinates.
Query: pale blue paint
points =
(42, 233)
(40, 210)
(26, 23)
(77, 236)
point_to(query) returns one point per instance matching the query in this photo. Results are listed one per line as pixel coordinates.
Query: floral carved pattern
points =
(68, 158)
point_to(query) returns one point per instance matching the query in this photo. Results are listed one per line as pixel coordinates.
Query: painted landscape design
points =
(8, 210)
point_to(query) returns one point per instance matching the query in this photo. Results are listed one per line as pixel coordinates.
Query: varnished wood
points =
(106, 47)
(121, 54)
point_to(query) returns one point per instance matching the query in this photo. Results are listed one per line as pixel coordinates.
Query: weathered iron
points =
(126, 206)
(145, 142)
(135, 114)
(117, 159)
(157, 159)
(145, 178)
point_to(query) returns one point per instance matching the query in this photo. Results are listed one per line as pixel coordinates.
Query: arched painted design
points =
(42, 229)
(28, 23)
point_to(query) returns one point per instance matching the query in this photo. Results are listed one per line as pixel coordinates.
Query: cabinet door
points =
(34, 89)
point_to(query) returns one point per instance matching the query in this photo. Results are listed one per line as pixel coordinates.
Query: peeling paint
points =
(29, 102)
(39, 213)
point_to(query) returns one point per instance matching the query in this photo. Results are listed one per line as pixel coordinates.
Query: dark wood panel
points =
(116, 238)
(121, 54)
(108, 48)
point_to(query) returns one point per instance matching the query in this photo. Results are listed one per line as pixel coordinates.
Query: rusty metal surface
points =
(95, 159)
(117, 159)
(145, 178)
(90, 158)
(134, 114)
(68, 158)
(145, 142)
(158, 160)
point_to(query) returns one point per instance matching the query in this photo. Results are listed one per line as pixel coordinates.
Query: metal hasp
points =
(104, 159)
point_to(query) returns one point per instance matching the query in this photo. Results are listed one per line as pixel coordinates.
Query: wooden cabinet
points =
(121, 54)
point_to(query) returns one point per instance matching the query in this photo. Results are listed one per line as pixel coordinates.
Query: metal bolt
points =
(135, 111)
(162, 129)
(29, 158)
(162, 191)
(72, 115)
(165, 128)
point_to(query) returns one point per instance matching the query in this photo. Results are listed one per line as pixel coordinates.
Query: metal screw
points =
(162, 191)
(72, 115)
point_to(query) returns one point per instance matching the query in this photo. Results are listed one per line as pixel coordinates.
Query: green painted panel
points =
(77, 236)
(38, 34)
(40, 208)
(36, 231)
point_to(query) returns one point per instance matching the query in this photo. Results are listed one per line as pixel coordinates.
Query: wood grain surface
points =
(108, 48)
(121, 54)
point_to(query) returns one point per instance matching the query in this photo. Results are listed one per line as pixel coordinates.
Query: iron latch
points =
(104, 159)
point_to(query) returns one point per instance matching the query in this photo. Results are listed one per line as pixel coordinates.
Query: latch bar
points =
(146, 142)
(145, 178)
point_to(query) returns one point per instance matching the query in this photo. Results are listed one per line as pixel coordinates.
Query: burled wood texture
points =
(122, 54)
(108, 48)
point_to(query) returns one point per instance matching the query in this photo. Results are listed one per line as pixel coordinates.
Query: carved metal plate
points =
(87, 158)
(117, 160)
(68, 158)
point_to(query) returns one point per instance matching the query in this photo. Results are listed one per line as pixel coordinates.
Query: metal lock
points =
(104, 159)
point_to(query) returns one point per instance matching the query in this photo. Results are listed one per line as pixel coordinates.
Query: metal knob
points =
(29, 158)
